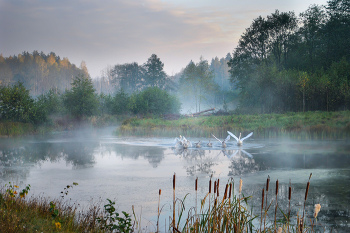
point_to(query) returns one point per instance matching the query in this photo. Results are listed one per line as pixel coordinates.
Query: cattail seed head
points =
(196, 183)
(229, 193)
(240, 185)
(160, 192)
(225, 195)
(215, 186)
(290, 193)
(210, 186)
(267, 183)
(307, 190)
(262, 199)
(276, 187)
(317, 209)
(174, 181)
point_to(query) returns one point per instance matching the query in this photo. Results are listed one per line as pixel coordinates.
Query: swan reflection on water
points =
(241, 162)
(238, 152)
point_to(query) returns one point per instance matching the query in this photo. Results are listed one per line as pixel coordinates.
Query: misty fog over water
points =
(131, 171)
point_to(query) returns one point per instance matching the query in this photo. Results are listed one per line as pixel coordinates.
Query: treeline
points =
(289, 63)
(81, 101)
(39, 72)
(195, 85)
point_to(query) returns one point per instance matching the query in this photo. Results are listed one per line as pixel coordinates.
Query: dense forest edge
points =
(284, 64)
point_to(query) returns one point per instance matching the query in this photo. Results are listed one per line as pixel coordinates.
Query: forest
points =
(282, 63)
(287, 63)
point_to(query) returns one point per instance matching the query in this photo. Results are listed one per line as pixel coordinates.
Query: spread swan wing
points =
(216, 138)
(247, 136)
(227, 138)
(232, 135)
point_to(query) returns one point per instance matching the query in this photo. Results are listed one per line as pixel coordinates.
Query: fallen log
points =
(208, 110)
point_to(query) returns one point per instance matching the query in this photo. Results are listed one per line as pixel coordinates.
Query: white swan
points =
(239, 140)
(223, 143)
(178, 141)
(198, 144)
(209, 144)
(182, 142)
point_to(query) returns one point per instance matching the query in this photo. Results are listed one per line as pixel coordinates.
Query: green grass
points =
(314, 125)
(9, 129)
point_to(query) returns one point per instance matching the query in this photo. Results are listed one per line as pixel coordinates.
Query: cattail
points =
(262, 206)
(276, 204)
(174, 181)
(317, 209)
(160, 193)
(267, 191)
(210, 186)
(307, 190)
(267, 183)
(225, 195)
(196, 183)
(174, 202)
(240, 185)
(214, 186)
(289, 197)
(217, 187)
(229, 193)
(262, 199)
(290, 193)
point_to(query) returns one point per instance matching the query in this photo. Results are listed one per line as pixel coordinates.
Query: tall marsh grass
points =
(9, 129)
(231, 212)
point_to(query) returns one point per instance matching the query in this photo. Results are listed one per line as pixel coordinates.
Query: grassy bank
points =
(19, 213)
(315, 125)
(13, 129)
(10, 129)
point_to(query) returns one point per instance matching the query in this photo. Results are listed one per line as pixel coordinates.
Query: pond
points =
(131, 170)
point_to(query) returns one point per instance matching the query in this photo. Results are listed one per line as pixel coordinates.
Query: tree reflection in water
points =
(79, 155)
(197, 160)
(154, 155)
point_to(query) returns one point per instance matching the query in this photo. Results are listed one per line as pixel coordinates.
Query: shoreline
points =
(308, 125)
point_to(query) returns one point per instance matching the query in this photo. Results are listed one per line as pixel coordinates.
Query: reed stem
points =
(174, 181)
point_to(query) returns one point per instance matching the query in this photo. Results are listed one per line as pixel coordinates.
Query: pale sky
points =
(106, 32)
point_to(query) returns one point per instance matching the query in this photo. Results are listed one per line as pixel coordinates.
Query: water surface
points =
(131, 170)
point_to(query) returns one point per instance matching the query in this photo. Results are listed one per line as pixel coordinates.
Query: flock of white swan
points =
(182, 142)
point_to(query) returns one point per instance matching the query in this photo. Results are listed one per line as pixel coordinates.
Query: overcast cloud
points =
(115, 32)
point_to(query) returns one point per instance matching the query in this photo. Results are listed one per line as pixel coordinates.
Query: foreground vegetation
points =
(218, 212)
(316, 125)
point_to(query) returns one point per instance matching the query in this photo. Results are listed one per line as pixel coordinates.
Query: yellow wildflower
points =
(15, 192)
(58, 225)
(16, 186)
